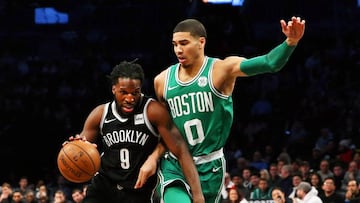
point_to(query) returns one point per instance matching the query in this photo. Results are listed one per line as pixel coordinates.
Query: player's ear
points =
(202, 41)
(113, 89)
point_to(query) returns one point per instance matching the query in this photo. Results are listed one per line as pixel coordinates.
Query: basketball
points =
(78, 161)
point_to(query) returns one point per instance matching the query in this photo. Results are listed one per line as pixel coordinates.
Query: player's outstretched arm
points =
(91, 128)
(276, 59)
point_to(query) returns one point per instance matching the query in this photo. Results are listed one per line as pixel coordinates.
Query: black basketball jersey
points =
(127, 143)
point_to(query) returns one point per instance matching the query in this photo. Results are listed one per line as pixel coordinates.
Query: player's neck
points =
(189, 72)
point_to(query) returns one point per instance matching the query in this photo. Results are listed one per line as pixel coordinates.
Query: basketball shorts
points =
(102, 189)
(211, 173)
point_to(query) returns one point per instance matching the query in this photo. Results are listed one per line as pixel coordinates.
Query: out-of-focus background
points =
(54, 57)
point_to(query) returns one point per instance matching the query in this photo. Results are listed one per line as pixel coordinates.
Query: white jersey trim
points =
(206, 158)
(105, 111)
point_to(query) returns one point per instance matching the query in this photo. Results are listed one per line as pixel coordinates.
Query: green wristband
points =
(274, 61)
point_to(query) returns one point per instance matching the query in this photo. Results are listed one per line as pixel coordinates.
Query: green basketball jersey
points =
(203, 115)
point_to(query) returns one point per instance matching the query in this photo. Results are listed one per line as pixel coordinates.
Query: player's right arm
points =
(150, 165)
(91, 126)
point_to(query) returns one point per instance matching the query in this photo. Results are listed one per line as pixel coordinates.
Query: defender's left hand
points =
(147, 169)
(293, 30)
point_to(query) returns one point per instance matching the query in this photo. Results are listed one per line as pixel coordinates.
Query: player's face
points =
(188, 49)
(127, 93)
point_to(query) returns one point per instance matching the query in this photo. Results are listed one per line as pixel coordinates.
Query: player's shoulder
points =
(161, 75)
(159, 81)
(100, 108)
(155, 104)
(147, 98)
(155, 110)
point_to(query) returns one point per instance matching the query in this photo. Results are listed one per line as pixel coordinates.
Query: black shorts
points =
(102, 190)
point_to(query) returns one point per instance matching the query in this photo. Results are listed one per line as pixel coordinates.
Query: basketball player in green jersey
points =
(197, 91)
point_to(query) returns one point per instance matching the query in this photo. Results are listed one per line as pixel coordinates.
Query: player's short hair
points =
(127, 69)
(195, 27)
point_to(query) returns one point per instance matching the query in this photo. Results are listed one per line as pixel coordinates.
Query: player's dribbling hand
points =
(293, 30)
(78, 137)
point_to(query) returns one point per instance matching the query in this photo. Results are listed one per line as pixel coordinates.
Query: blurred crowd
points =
(57, 191)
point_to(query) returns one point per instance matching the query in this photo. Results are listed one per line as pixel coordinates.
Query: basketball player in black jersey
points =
(130, 128)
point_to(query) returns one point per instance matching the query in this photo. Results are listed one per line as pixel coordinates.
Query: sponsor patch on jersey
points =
(139, 119)
(202, 81)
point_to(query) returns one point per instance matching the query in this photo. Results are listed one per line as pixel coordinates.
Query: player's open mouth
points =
(181, 59)
(127, 109)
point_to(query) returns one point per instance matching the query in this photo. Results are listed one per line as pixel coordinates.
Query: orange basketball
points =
(78, 161)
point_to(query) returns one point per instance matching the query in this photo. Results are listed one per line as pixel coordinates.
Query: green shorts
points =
(211, 173)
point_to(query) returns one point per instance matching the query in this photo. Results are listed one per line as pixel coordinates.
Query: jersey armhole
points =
(166, 82)
(105, 111)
